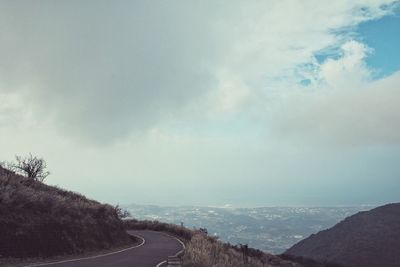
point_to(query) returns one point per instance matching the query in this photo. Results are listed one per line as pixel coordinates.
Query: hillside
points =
(37, 220)
(368, 239)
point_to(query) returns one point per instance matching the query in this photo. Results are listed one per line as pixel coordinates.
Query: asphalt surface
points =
(156, 248)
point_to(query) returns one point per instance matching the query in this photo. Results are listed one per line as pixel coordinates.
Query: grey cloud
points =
(107, 68)
(103, 69)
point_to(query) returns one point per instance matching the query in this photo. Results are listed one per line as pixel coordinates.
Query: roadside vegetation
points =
(180, 232)
(38, 220)
(203, 250)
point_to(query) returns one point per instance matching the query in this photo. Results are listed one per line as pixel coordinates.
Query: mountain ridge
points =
(368, 238)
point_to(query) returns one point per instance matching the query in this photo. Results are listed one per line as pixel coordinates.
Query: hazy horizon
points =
(246, 103)
(229, 206)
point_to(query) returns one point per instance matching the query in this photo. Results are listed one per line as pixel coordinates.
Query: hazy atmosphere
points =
(206, 102)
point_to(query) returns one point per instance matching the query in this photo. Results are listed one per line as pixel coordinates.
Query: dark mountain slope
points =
(37, 220)
(367, 239)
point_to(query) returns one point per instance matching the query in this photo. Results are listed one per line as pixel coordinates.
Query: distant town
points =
(271, 229)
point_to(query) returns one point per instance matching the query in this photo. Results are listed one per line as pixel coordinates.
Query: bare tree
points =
(31, 167)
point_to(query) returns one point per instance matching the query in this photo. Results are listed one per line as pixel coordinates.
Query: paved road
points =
(156, 248)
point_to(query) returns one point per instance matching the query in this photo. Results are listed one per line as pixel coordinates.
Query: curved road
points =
(155, 249)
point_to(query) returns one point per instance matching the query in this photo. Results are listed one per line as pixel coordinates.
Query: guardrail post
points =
(174, 261)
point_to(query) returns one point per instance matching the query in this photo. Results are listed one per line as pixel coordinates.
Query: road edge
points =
(179, 252)
(91, 257)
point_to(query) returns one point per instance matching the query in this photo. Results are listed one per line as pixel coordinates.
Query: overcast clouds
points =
(189, 95)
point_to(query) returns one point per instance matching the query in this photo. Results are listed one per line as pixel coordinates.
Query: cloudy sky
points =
(246, 103)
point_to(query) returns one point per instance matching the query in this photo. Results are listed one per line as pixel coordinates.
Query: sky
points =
(246, 103)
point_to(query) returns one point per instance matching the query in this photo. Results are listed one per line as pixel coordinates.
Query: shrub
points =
(178, 231)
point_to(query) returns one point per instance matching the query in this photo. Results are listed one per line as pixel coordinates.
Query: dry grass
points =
(37, 220)
(205, 251)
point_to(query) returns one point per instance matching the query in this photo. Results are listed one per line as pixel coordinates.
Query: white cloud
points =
(344, 105)
(350, 71)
